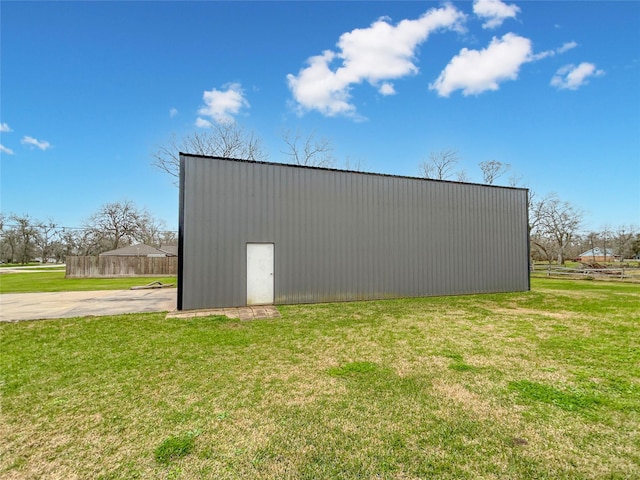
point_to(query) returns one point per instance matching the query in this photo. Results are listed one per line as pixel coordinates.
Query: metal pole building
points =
(267, 233)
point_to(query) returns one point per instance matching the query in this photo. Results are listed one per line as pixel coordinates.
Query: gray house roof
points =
(597, 252)
(140, 250)
(170, 250)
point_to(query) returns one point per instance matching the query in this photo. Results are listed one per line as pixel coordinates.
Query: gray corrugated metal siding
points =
(345, 235)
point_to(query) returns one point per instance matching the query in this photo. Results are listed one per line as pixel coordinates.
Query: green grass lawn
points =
(54, 281)
(542, 384)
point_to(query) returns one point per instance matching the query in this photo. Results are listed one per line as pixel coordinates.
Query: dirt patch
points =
(242, 313)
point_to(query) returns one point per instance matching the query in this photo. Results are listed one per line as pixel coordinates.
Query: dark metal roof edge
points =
(290, 165)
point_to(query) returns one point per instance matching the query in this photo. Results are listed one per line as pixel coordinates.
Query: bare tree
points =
(227, 140)
(606, 235)
(66, 245)
(558, 221)
(623, 241)
(462, 176)
(89, 243)
(514, 180)
(26, 234)
(492, 170)
(357, 165)
(542, 248)
(308, 151)
(536, 210)
(46, 234)
(114, 225)
(440, 165)
(168, 237)
(592, 239)
(152, 231)
(9, 240)
(635, 246)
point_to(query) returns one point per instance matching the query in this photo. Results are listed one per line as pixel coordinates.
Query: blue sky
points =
(90, 89)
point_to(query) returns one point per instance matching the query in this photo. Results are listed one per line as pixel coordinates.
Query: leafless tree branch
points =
(308, 151)
(440, 165)
(227, 140)
(492, 170)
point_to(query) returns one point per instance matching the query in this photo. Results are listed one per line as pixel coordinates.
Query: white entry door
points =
(260, 273)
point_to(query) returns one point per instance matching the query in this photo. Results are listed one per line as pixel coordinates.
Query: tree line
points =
(24, 239)
(555, 225)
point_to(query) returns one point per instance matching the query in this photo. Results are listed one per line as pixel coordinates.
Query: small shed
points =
(255, 233)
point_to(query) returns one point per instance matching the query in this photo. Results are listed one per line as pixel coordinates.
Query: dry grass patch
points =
(518, 312)
(478, 404)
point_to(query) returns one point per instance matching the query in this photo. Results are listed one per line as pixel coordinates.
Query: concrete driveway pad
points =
(33, 306)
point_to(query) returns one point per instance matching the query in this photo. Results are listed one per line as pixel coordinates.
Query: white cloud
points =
(4, 127)
(222, 105)
(387, 89)
(318, 87)
(476, 71)
(571, 77)
(494, 12)
(375, 54)
(550, 53)
(32, 142)
(202, 123)
(566, 47)
(542, 55)
(6, 150)
(173, 112)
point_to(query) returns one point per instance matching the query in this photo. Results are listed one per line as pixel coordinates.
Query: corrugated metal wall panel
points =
(344, 235)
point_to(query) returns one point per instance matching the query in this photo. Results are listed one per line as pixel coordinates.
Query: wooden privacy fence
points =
(109, 267)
